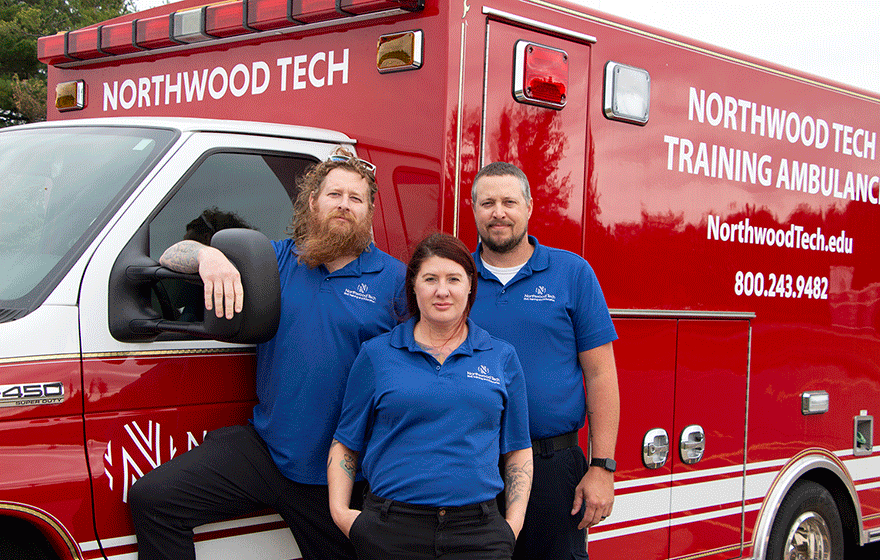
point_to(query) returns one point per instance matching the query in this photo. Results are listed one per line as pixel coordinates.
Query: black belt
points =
(548, 445)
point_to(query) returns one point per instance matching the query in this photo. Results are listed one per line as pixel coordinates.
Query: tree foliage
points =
(22, 22)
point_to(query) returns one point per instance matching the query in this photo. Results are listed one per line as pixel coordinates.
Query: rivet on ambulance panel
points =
(188, 26)
(540, 75)
(399, 51)
(70, 96)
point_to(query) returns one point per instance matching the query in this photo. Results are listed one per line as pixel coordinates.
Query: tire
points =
(807, 527)
(21, 541)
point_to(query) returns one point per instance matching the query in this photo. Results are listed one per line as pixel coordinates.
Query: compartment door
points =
(710, 412)
(548, 144)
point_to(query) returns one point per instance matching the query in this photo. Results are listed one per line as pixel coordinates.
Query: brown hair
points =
(446, 247)
(310, 185)
(502, 169)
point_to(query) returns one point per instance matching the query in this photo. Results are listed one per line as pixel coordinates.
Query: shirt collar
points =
(369, 261)
(540, 260)
(403, 337)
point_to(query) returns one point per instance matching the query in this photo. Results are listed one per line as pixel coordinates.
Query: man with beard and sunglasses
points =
(337, 291)
(548, 305)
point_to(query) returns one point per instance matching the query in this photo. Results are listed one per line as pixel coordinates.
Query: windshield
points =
(58, 186)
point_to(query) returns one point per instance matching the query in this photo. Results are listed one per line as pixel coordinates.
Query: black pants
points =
(388, 530)
(230, 474)
(550, 530)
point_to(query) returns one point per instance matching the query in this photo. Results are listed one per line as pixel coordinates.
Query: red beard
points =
(330, 239)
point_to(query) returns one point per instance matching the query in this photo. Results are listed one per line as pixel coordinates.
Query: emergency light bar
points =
(226, 19)
(314, 11)
(86, 43)
(188, 26)
(211, 22)
(53, 49)
(265, 15)
(118, 38)
(155, 32)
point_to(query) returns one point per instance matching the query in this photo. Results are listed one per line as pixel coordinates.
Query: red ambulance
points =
(729, 207)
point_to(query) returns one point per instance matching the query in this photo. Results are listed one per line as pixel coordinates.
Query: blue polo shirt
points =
(431, 434)
(301, 372)
(550, 311)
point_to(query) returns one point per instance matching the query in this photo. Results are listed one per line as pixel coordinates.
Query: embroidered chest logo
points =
(362, 292)
(482, 374)
(539, 295)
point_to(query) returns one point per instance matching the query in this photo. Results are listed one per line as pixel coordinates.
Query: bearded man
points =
(337, 291)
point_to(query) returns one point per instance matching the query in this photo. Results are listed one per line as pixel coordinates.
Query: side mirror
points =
(134, 274)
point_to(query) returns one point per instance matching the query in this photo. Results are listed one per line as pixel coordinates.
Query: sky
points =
(834, 39)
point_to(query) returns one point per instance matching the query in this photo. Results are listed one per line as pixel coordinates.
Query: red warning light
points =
(540, 75)
(154, 32)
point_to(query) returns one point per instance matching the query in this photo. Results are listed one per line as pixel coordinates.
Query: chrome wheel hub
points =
(809, 539)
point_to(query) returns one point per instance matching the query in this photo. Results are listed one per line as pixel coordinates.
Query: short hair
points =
(444, 246)
(310, 185)
(210, 221)
(502, 169)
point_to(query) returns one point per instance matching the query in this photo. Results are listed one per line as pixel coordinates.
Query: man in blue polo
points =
(548, 304)
(337, 291)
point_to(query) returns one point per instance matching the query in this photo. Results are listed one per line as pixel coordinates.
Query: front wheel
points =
(807, 527)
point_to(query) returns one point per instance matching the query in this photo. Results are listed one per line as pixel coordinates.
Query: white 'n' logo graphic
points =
(139, 453)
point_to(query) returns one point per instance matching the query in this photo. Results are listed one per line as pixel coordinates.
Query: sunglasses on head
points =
(357, 162)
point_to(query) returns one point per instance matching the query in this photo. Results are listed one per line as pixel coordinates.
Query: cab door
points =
(148, 401)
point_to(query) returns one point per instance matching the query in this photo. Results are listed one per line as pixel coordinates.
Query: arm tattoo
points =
(182, 257)
(517, 481)
(330, 455)
(348, 465)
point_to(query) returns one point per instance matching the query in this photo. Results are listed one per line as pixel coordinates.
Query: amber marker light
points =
(70, 96)
(399, 51)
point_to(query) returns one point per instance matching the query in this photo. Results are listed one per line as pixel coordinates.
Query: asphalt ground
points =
(871, 552)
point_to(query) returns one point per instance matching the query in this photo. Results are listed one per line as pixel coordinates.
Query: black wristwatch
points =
(609, 465)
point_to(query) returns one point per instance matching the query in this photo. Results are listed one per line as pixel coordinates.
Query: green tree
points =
(22, 22)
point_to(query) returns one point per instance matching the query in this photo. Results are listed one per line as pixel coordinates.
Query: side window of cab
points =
(224, 190)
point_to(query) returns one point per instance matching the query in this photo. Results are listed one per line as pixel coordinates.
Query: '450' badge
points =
(31, 394)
